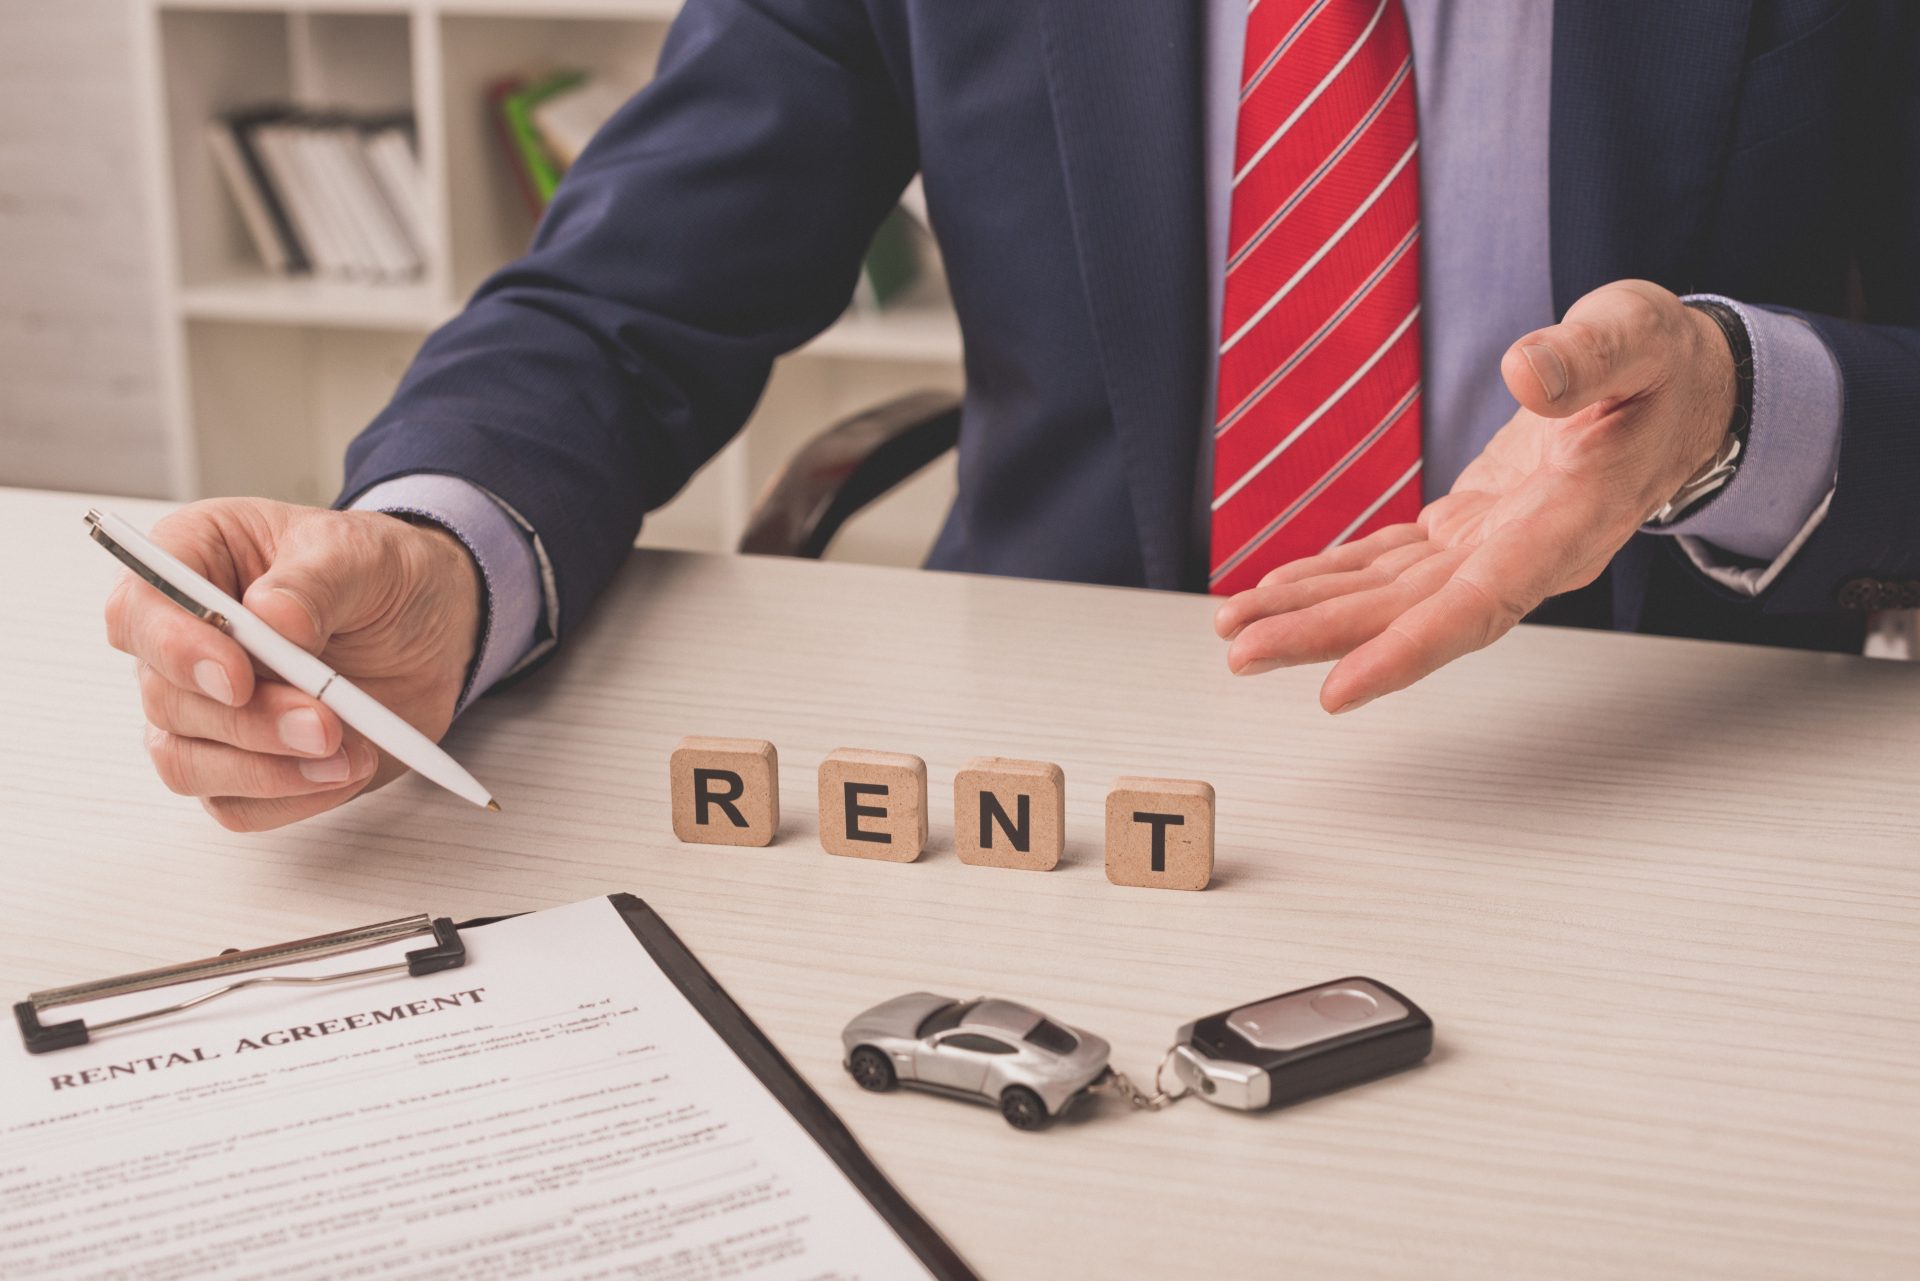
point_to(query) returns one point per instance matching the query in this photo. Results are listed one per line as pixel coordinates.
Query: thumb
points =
(1609, 347)
(314, 588)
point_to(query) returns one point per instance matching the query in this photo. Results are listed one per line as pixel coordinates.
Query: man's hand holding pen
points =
(392, 606)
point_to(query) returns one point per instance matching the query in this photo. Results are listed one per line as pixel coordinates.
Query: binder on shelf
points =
(261, 205)
(252, 199)
(387, 150)
(332, 194)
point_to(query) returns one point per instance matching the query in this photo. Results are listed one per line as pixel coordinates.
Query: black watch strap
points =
(1714, 477)
(1740, 345)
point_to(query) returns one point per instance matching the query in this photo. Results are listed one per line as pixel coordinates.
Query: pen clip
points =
(159, 584)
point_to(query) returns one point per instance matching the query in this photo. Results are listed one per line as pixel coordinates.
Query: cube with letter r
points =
(726, 791)
(873, 805)
(1160, 833)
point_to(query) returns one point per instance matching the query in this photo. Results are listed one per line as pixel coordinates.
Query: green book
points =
(893, 259)
(516, 111)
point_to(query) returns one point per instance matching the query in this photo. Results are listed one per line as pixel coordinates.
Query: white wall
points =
(79, 398)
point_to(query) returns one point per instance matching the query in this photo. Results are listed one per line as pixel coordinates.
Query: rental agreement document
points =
(554, 1108)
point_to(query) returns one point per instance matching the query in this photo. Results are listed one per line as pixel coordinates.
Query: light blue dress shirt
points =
(1483, 74)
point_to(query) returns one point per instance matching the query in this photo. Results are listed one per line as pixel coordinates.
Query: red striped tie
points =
(1317, 427)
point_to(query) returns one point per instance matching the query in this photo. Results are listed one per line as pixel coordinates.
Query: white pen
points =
(284, 658)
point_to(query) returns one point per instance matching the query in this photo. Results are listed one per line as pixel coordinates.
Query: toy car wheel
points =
(1023, 1109)
(872, 1071)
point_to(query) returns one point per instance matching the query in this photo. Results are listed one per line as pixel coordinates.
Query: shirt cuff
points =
(508, 555)
(1784, 481)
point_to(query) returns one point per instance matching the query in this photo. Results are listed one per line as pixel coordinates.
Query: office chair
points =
(844, 468)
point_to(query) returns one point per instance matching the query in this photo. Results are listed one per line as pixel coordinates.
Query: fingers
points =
(1337, 625)
(278, 719)
(185, 651)
(1347, 557)
(1284, 597)
(1503, 580)
(326, 576)
(1456, 620)
(250, 814)
(1613, 344)
(202, 767)
(242, 814)
(256, 751)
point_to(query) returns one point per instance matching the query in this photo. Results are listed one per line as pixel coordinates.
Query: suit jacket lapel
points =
(1643, 102)
(1124, 79)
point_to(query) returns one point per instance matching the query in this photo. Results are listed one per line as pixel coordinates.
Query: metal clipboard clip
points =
(446, 952)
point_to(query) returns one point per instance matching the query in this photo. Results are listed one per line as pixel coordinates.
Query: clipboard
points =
(447, 950)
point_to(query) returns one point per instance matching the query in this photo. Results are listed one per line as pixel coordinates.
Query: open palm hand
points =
(1620, 405)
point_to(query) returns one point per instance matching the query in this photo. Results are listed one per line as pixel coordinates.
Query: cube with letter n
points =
(1009, 813)
(873, 805)
(726, 791)
(1160, 833)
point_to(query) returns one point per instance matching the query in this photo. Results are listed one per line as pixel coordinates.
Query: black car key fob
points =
(1289, 1047)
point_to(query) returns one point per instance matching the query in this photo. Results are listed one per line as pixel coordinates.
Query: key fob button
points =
(1345, 1004)
(1296, 1020)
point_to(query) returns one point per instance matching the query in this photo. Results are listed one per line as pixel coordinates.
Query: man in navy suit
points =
(1249, 291)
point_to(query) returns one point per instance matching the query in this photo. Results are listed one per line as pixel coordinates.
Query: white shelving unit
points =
(266, 379)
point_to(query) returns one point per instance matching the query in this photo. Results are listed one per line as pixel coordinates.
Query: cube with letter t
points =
(726, 791)
(873, 804)
(1009, 813)
(1160, 833)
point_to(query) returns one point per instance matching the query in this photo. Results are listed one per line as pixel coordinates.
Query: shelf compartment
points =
(220, 61)
(490, 223)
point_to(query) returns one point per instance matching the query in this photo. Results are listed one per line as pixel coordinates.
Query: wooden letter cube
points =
(1009, 813)
(726, 791)
(873, 805)
(1160, 833)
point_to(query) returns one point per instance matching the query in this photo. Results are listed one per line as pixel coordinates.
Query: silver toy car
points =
(996, 1052)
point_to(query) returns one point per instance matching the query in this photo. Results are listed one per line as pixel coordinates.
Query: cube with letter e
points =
(873, 805)
(726, 791)
(1009, 813)
(1160, 833)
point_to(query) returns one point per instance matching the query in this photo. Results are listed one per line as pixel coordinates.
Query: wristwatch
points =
(1713, 477)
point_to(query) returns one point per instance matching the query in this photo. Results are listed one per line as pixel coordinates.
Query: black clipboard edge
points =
(787, 1086)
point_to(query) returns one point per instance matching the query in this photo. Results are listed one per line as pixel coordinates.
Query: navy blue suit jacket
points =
(1764, 149)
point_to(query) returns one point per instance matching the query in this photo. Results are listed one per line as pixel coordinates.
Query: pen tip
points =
(493, 805)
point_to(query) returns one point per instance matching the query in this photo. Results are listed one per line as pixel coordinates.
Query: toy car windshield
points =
(945, 1019)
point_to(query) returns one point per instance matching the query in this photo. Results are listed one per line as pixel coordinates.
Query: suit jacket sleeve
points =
(717, 221)
(1872, 528)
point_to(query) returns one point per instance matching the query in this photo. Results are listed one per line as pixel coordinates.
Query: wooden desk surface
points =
(1661, 898)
